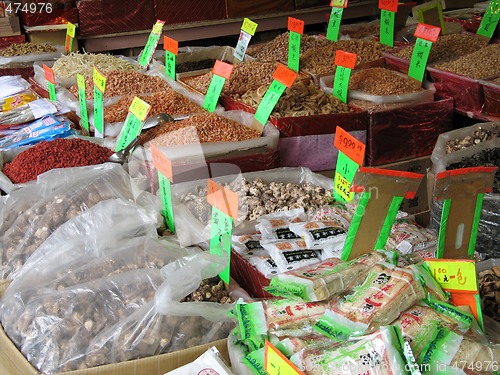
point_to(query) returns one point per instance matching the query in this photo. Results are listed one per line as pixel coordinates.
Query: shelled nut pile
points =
(481, 64)
(277, 49)
(246, 76)
(320, 60)
(20, 49)
(448, 47)
(381, 81)
(301, 99)
(479, 135)
(166, 101)
(126, 82)
(199, 128)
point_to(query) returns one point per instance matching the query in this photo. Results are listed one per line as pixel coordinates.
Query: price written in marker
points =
(165, 179)
(490, 19)
(99, 87)
(349, 145)
(332, 32)
(51, 84)
(247, 31)
(454, 275)
(426, 35)
(390, 5)
(132, 127)
(151, 44)
(387, 19)
(339, 3)
(296, 28)
(82, 100)
(171, 47)
(276, 363)
(220, 73)
(224, 209)
(345, 62)
(70, 35)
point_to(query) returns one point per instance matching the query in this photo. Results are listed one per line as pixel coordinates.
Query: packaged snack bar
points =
(291, 254)
(320, 234)
(276, 226)
(248, 245)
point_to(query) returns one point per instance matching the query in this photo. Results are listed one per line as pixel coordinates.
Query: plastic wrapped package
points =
(411, 131)
(74, 190)
(12, 85)
(276, 226)
(291, 254)
(32, 57)
(407, 238)
(29, 112)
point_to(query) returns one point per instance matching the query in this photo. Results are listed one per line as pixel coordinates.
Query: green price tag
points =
(419, 58)
(344, 174)
(82, 99)
(332, 33)
(137, 113)
(294, 51)
(166, 200)
(269, 101)
(52, 91)
(98, 113)
(341, 83)
(213, 92)
(170, 60)
(220, 238)
(490, 19)
(387, 27)
(151, 44)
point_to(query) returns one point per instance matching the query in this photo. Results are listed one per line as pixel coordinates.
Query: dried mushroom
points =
(489, 289)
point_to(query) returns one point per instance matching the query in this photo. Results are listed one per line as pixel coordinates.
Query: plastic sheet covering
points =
(489, 224)
(114, 16)
(407, 132)
(12, 85)
(72, 191)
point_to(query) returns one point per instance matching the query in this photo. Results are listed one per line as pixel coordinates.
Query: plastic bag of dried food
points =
(326, 279)
(291, 254)
(379, 300)
(12, 85)
(249, 247)
(28, 112)
(322, 234)
(407, 237)
(73, 191)
(375, 354)
(164, 324)
(276, 226)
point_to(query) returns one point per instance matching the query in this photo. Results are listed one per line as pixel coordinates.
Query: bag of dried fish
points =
(326, 279)
(22, 53)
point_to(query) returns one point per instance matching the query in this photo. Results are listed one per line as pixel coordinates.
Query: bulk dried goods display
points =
(198, 128)
(479, 135)
(27, 48)
(381, 81)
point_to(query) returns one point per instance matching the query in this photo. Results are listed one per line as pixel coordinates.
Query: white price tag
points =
(242, 45)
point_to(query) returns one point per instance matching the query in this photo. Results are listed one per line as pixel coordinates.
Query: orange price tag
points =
(338, 3)
(223, 199)
(275, 363)
(285, 75)
(295, 25)
(345, 59)
(171, 45)
(49, 74)
(427, 32)
(222, 69)
(349, 145)
(454, 275)
(162, 163)
(390, 5)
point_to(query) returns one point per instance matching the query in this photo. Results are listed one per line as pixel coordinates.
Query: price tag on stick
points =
(224, 209)
(426, 35)
(70, 35)
(345, 62)
(332, 32)
(220, 73)
(51, 84)
(99, 87)
(275, 363)
(150, 47)
(283, 78)
(247, 31)
(82, 99)
(296, 28)
(490, 20)
(165, 178)
(171, 51)
(137, 113)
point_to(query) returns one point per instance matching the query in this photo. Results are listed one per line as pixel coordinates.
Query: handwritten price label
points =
(390, 5)
(158, 27)
(99, 79)
(139, 108)
(275, 363)
(490, 19)
(71, 29)
(338, 3)
(171, 45)
(249, 26)
(82, 100)
(343, 187)
(164, 168)
(222, 69)
(223, 199)
(295, 25)
(49, 74)
(161, 162)
(285, 75)
(427, 32)
(349, 145)
(455, 275)
(345, 59)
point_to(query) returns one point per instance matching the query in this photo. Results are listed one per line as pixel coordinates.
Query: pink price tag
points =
(49, 74)
(427, 32)
(295, 25)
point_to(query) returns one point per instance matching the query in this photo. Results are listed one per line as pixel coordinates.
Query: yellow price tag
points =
(342, 187)
(99, 80)
(71, 29)
(158, 27)
(80, 80)
(139, 108)
(249, 26)
(276, 363)
(338, 3)
(454, 275)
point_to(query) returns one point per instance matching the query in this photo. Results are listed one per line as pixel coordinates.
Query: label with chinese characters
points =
(82, 100)
(171, 51)
(247, 31)
(49, 76)
(70, 35)
(294, 51)
(419, 58)
(332, 32)
(490, 19)
(220, 238)
(276, 363)
(132, 127)
(454, 275)
(164, 168)
(349, 145)
(150, 47)
(390, 5)
(99, 87)
(351, 156)
(338, 3)
(269, 101)
(220, 73)
(387, 27)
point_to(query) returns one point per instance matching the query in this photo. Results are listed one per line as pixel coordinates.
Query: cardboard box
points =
(421, 202)
(244, 8)
(9, 26)
(176, 11)
(56, 37)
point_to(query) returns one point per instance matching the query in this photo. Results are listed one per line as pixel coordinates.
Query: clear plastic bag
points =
(12, 85)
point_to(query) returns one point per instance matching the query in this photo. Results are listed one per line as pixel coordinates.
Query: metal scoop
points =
(122, 155)
(160, 119)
